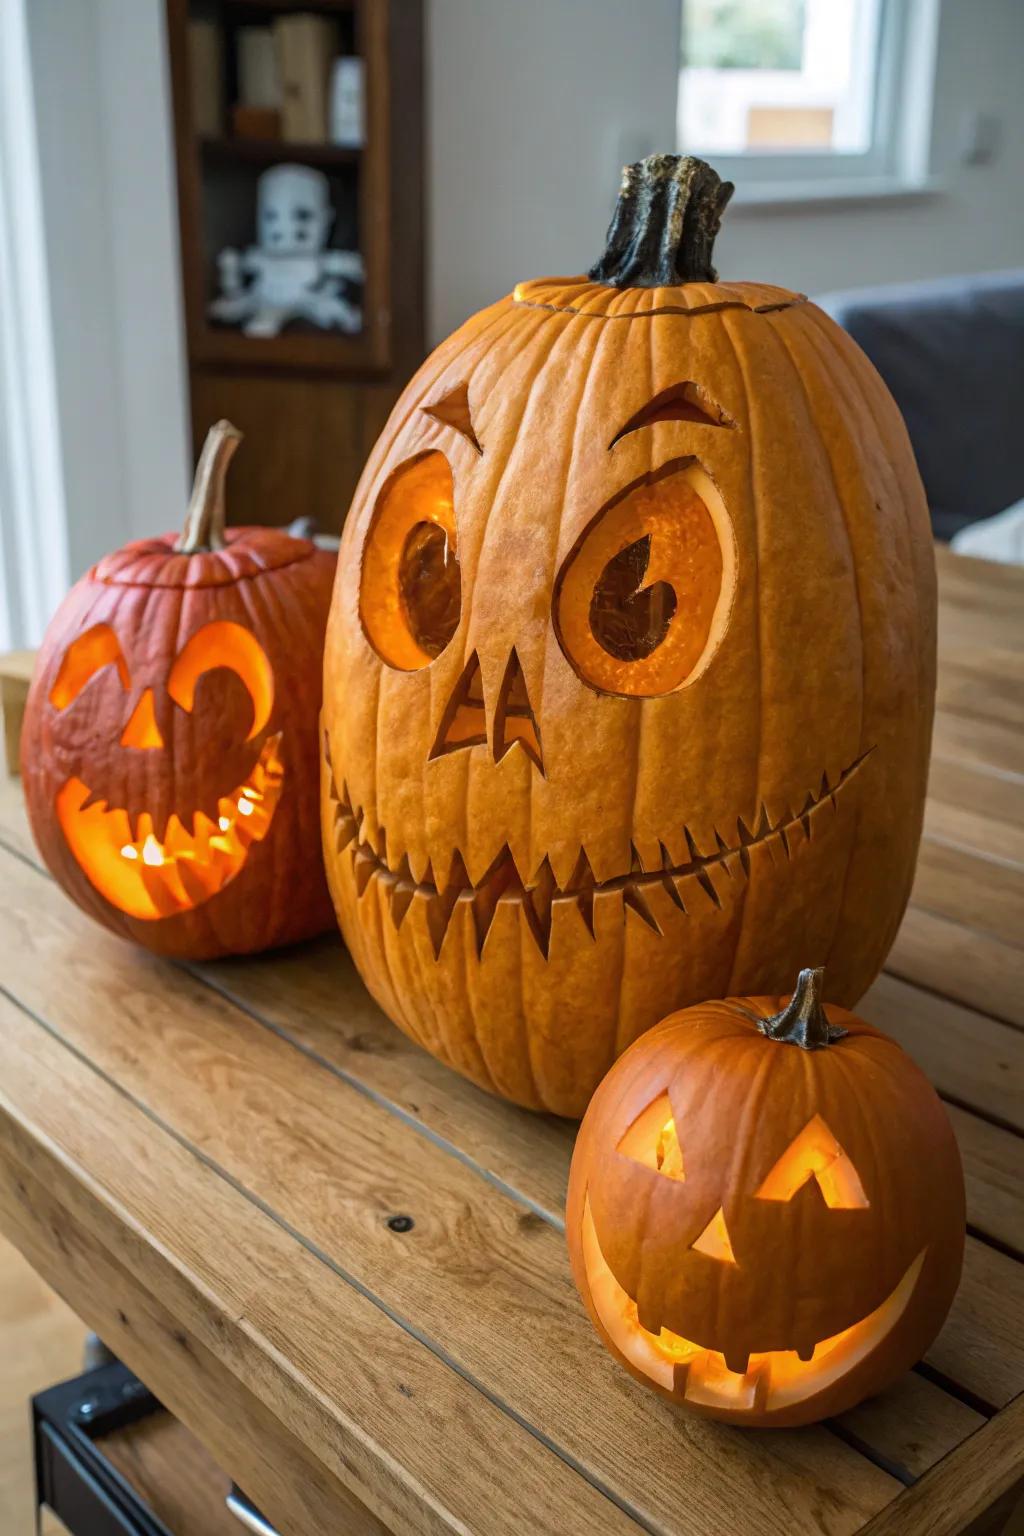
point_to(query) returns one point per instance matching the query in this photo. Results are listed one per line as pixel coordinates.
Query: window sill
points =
(818, 196)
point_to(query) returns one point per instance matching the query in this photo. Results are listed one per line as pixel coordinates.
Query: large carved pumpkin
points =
(630, 666)
(766, 1210)
(169, 747)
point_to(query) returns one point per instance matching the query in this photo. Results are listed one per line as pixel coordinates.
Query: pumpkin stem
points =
(802, 1022)
(663, 229)
(204, 522)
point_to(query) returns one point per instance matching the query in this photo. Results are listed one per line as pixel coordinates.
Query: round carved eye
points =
(643, 598)
(410, 590)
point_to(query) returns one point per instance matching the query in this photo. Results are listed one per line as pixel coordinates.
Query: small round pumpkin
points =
(630, 668)
(766, 1209)
(169, 746)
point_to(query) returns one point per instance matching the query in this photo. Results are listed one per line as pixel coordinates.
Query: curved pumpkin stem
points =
(802, 1022)
(206, 517)
(663, 229)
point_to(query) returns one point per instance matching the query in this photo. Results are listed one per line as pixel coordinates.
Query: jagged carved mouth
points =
(685, 884)
(773, 1379)
(149, 877)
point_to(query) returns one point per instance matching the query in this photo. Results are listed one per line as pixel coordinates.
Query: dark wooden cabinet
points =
(310, 402)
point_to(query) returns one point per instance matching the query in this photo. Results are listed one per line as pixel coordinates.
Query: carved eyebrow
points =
(87, 654)
(452, 410)
(680, 402)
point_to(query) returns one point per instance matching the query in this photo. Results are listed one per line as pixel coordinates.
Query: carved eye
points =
(816, 1154)
(643, 598)
(84, 657)
(652, 1141)
(410, 590)
(223, 644)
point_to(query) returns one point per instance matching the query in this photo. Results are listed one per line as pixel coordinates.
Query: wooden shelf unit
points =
(310, 402)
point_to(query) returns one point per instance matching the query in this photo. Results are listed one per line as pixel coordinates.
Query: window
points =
(791, 94)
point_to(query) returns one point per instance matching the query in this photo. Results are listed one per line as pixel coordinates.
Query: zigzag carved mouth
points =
(685, 883)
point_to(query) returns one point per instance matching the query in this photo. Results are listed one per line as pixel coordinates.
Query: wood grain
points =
(961, 964)
(173, 1475)
(313, 1397)
(962, 1488)
(973, 1060)
(475, 1259)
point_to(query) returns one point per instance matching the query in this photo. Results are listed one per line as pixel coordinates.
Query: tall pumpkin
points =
(169, 748)
(631, 660)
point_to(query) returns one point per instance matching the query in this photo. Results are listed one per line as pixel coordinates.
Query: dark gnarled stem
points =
(206, 517)
(802, 1022)
(664, 225)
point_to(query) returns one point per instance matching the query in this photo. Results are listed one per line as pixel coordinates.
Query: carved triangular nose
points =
(514, 720)
(142, 730)
(464, 721)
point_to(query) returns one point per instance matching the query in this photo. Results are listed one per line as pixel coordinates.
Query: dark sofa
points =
(952, 353)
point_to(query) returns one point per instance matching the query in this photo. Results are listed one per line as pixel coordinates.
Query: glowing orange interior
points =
(771, 1380)
(816, 1154)
(223, 644)
(94, 648)
(420, 492)
(148, 877)
(652, 1140)
(690, 558)
(142, 731)
(714, 1241)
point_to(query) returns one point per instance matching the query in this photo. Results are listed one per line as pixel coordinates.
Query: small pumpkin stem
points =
(663, 229)
(206, 517)
(802, 1022)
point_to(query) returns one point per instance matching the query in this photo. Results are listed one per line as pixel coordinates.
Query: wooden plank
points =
(981, 1347)
(964, 965)
(994, 1173)
(324, 1408)
(313, 996)
(961, 1489)
(208, 1070)
(988, 743)
(986, 791)
(981, 691)
(975, 832)
(173, 1475)
(980, 892)
(970, 579)
(916, 1421)
(15, 676)
(971, 1059)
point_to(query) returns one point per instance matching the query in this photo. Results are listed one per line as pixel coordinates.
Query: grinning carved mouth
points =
(773, 1380)
(535, 896)
(146, 877)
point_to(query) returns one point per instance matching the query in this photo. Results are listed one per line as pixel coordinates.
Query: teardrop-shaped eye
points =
(643, 599)
(410, 590)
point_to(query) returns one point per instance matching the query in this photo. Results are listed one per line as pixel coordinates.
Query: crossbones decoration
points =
(290, 274)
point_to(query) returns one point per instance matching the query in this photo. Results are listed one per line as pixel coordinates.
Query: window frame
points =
(897, 161)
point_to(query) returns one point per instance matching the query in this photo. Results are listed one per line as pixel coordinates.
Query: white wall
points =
(110, 221)
(533, 106)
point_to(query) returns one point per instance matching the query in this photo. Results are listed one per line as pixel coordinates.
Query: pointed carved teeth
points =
(636, 863)
(707, 884)
(363, 866)
(400, 900)
(585, 903)
(671, 885)
(636, 901)
(695, 853)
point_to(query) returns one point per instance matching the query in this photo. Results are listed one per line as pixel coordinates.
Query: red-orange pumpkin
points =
(169, 747)
(766, 1209)
(631, 660)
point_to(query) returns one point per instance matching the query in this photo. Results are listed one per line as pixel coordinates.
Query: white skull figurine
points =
(292, 274)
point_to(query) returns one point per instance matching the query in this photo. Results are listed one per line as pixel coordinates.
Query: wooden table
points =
(344, 1268)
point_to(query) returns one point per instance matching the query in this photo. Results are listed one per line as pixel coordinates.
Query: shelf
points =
(277, 151)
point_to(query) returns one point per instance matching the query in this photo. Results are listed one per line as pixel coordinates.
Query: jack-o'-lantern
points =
(766, 1209)
(629, 673)
(169, 747)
